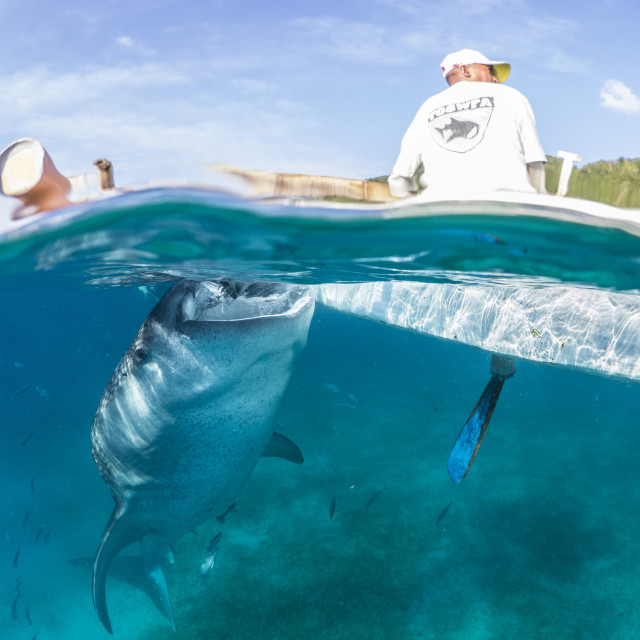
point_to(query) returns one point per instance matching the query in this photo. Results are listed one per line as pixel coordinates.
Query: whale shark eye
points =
(140, 354)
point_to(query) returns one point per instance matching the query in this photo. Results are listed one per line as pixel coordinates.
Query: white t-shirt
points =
(473, 136)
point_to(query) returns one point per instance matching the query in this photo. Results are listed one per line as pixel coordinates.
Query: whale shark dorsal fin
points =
(154, 553)
(281, 447)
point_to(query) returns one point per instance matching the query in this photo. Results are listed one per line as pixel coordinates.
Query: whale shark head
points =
(189, 411)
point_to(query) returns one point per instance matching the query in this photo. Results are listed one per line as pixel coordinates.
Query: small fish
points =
(25, 520)
(26, 440)
(374, 497)
(230, 508)
(16, 558)
(332, 507)
(46, 538)
(40, 530)
(328, 386)
(485, 238)
(443, 513)
(354, 400)
(210, 560)
(28, 616)
(22, 390)
(207, 564)
(14, 608)
(35, 637)
(214, 542)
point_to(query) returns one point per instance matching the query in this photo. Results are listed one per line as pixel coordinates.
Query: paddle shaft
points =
(468, 442)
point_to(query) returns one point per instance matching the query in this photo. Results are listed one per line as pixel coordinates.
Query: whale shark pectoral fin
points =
(117, 535)
(281, 447)
(153, 555)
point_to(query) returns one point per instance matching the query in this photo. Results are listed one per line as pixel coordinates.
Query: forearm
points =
(401, 186)
(402, 181)
(535, 171)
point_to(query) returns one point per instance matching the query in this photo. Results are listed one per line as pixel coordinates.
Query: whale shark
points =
(189, 411)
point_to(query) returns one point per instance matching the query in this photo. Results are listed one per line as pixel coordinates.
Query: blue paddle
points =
(468, 442)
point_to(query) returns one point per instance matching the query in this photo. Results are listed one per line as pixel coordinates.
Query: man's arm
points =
(401, 187)
(533, 152)
(535, 170)
(402, 180)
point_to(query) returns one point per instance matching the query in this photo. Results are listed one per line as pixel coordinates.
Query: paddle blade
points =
(468, 442)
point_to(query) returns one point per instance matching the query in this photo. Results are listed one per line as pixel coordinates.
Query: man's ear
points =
(464, 70)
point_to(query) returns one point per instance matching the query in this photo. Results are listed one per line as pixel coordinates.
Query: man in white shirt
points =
(477, 135)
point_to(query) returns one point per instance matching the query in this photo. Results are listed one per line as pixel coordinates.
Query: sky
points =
(325, 87)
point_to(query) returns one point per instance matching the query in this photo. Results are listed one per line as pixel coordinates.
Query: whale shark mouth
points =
(227, 300)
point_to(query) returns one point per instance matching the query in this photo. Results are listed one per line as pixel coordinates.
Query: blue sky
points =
(324, 87)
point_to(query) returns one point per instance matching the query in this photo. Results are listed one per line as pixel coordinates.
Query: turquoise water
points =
(540, 540)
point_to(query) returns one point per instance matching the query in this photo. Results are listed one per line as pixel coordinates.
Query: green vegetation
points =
(612, 182)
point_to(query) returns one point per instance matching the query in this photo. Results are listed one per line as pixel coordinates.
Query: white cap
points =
(501, 70)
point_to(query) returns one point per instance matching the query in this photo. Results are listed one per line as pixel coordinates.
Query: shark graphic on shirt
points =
(458, 129)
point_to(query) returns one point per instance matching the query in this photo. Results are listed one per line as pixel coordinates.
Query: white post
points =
(565, 172)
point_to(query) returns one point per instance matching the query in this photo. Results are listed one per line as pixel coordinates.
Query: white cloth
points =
(473, 136)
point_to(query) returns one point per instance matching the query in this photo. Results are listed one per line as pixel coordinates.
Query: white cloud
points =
(363, 42)
(616, 95)
(254, 86)
(134, 46)
(401, 32)
(455, 8)
(125, 41)
(42, 89)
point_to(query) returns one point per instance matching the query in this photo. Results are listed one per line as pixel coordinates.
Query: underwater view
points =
(357, 370)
